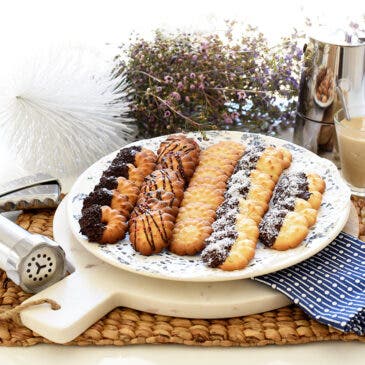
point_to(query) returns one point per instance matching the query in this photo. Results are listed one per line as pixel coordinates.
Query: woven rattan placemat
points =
(124, 326)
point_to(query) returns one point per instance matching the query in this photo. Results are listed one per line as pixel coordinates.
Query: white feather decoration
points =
(61, 110)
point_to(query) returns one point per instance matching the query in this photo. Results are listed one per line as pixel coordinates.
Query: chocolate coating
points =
(219, 235)
(224, 234)
(270, 226)
(90, 223)
(117, 170)
(227, 206)
(110, 183)
(251, 156)
(127, 155)
(290, 187)
(216, 256)
(99, 197)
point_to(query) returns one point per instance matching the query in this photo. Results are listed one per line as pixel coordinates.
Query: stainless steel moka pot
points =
(333, 72)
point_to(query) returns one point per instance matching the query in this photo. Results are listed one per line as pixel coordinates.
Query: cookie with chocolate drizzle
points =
(183, 164)
(166, 180)
(153, 218)
(179, 143)
(295, 205)
(232, 244)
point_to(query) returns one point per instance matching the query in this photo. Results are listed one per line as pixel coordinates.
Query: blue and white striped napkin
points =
(329, 286)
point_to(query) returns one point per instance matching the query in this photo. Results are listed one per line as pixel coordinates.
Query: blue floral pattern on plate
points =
(331, 219)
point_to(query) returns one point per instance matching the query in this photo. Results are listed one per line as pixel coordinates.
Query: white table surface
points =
(333, 353)
(318, 353)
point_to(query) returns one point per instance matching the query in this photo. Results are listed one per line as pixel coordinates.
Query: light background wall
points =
(101, 21)
(30, 24)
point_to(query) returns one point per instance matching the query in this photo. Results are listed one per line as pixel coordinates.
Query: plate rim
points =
(91, 247)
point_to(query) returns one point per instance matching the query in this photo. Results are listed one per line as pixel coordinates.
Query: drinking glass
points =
(351, 142)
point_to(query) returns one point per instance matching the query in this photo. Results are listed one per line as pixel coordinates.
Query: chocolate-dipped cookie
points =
(232, 244)
(295, 204)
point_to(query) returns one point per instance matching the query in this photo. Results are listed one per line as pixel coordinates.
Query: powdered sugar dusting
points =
(290, 187)
(224, 230)
(238, 185)
(252, 154)
(271, 224)
(216, 252)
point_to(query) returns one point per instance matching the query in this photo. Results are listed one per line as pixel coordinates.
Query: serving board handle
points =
(82, 304)
(88, 294)
(95, 288)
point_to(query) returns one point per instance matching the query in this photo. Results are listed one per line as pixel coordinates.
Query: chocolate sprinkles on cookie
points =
(232, 244)
(113, 198)
(295, 203)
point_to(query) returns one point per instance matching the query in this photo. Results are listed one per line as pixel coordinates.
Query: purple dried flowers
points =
(193, 81)
(175, 95)
(168, 79)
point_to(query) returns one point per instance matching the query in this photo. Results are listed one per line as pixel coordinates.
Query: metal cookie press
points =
(32, 261)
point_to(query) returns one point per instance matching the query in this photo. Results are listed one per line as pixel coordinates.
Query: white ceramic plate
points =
(331, 219)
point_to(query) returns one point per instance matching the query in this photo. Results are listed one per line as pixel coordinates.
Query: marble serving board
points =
(108, 276)
(95, 288)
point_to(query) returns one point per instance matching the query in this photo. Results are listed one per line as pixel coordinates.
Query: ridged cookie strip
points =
(161, 194)
(167, 180)
(296, 223)
(183, 164)
(270, 165)
(206, 190)
(233, 241)
(127, 171)
(268, 159)
(152, 205)
(243, 249)
(179, 143)
(120, 184)
(133, 163)
(111, 198)
(180, 154)
(151, 227)
(296, 201)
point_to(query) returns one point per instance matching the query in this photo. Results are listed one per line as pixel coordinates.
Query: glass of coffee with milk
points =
(351, 142)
